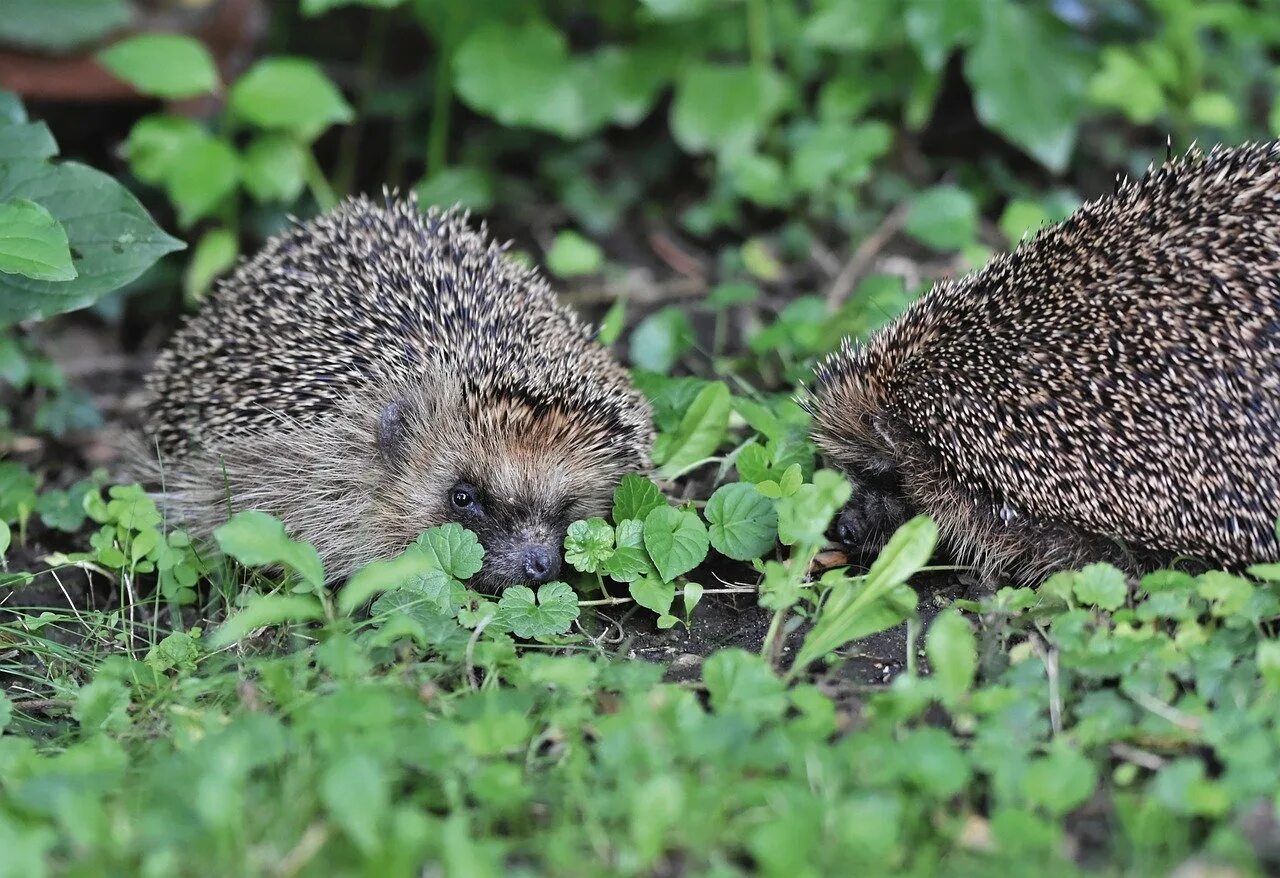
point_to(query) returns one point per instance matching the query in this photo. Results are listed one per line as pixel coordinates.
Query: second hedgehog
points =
(379, 371)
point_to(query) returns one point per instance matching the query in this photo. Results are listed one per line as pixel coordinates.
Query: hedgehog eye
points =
(463, 498)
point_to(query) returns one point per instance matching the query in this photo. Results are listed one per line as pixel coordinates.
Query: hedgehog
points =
(1107, 391)
(381, 370)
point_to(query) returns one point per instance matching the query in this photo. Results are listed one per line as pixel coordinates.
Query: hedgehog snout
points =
(869, 519)
(541, 563)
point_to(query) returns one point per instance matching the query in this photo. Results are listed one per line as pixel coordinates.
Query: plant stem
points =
(758, 35)
(370, 66)
(441, 105)
(321, 191)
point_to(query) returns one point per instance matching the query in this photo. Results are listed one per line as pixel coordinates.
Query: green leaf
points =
(953, 654)
(59, 26)
(112, 238)
(935, 27)
(520, 75)
(675, 539)
(742, 684)
(630, 560)
(33, 243)
(635, 497)
(1126, 84)
(265, 611)
(6, 538)
(909, 549)
(289, 94)
(6, 706)
(588, 544)
(572, 255)
(611, 326)
(456, 550)
(64, 510)
(700, 432)
(214, 256)
(724, 108)
(357, 795)
(1100, 585)
(1035, 104)
(26, 141)
(653, 594)
(257, 539)
(102, 705)
(312, 8)
(412, 570)
(163, 65)
(660, 340)
(1060, 781)
(157, 141)
(472, 187)
(274, 167)
(554, 612)
(805, 513)
(944, 218)
(177, 651)
(744, 523)
(204, 174)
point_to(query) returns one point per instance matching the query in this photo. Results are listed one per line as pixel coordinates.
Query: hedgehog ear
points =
(391, 434)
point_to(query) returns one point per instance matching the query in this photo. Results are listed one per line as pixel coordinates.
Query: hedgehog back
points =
(1118, 373)
(382, 296)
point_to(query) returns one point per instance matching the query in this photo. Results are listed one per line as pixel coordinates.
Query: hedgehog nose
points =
(540, 564)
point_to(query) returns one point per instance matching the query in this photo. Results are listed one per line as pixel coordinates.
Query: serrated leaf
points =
(588, 544)
(163, 65)
(289, 94)
(635, 497)
(743, 522)
(33, 243)
(553, 612)
(112, 239)
(455, 549)
(676, 540)
(700, 432)
(257, 539)
(410, 571)
(1100, 585)
(630, 560)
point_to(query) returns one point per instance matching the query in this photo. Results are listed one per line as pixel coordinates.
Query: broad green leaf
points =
(936, 27)
(953, 654)
(699, 434)
(741, 683)
(177, 651)
(676, 540)
(554, 611)
(289, 94)
(157, 141)
(264, 611)
(33, 243)
(1126, 84)
(653, 594)
(257, 539)
(201, 176)
(102, 705)
(635, 497)
(357, 795)
(415, 571)
(17, 491)
(614, 321)
(1060, 781)
(112, 238)
(1227, 594)
(660, 340)
(313, 8)
(213, 256)
(572, 255)
(26, 140)
(455, 549)
(274, 168)
(6, 537)
(1100, 585)
(724, 108)
(1035, 104)
(520, 75)
(163, 65)
(909, 549)
(805, 513)
(838, 153)
(588, 544)
(630, 560)
(59, 26)
(744, 523)
(470, 186)
(944, 218)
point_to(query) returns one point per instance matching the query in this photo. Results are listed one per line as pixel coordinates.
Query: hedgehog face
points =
(515, 474)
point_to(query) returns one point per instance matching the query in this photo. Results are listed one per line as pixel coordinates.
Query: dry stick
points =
(861, 259)
(1139, 757)
(1184, 721)
(675, 256)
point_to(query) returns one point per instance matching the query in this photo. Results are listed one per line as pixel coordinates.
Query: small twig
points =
(471, 651)
(1154, 705)
(307, 847)
(862, 257)
(1139, 757)
(42, 705)
(680, 260)
(1049, 656)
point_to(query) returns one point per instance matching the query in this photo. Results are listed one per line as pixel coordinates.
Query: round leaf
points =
(163, 65)
(289, 94)
(676, 540)
(744, 522)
